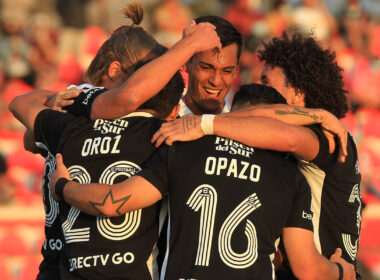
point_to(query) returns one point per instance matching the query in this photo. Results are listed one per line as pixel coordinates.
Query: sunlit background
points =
(48, 44)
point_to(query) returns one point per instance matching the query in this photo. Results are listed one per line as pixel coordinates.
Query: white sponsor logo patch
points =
(307, 215)
(101, 260)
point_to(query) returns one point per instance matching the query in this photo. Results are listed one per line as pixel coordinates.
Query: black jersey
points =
(104, 151)
(336, 200)
(228, 204)
(53, 234)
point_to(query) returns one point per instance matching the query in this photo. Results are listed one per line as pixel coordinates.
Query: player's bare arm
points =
(235, 125)
(260, 132)
(54, 101)
(150, 79)
(307, 263)
(27, 106)
(304, 116)
(103, 199)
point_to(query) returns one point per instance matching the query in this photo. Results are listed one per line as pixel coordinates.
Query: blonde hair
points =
(126, 45)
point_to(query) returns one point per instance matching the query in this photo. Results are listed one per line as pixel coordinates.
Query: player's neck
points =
(195, 109)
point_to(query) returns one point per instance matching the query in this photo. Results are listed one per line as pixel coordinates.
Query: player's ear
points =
(299, 98)
(173, 115)
(188, 65)
(114, 69)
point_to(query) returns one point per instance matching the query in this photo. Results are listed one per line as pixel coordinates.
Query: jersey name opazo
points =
(228, 204)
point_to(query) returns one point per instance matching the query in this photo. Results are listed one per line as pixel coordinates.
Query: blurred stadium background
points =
(49, 43)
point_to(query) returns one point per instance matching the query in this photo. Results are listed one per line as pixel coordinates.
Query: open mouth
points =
(213, 92)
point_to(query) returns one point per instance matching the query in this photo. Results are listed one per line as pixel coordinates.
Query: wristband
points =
(59, 186)
(340, 268)
(207, 124)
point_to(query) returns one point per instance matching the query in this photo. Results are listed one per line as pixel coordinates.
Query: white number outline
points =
(104, 225)
(205, 198)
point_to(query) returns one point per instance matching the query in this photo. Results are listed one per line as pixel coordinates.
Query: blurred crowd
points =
(48, 44)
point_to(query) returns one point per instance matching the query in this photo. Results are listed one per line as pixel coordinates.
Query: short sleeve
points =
(329, 162)
(323, 157)
(156, 169)
(83, 103)
(48, 127)
(301, 215)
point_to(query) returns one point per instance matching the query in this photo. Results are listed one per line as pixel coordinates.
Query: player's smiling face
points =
(211, 75)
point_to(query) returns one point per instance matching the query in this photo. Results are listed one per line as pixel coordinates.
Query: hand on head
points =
(204, 36)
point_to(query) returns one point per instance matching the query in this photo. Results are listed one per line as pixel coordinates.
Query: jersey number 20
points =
(104, 225)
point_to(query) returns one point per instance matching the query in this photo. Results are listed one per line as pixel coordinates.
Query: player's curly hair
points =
(308, 68)
(127, 44)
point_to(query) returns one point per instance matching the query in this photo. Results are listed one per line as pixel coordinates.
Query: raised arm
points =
(102, 199)
(307, 263)
(152, 77)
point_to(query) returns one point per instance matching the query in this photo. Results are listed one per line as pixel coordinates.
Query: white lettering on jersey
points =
(204, 199)
(227, 254)
(101, 145)
(88, 91)
(106, 126)
(54, 244)
(92, 261)
(232, 147)
(352, 248)
(51, 206)
(307, 216)
(104, 225)
(232, 167)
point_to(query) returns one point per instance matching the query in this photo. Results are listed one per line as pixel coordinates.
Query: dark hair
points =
(254, 94)
(309, 69)
(3, 165)
(126, 45)
(227, 33)
(164, 101)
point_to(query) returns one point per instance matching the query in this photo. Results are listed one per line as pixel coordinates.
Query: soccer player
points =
(95, 245)
(227, 209)
(211, 73)
(114, 62)
(306, 75)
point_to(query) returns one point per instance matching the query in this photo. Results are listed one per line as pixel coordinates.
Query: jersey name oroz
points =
(105, 144)
(232, 147)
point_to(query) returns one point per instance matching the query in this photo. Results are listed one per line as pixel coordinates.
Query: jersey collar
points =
(138, 114)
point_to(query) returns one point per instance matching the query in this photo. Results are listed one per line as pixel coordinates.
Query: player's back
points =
(107, 151)
(228, 205)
